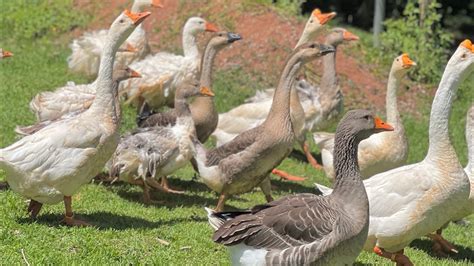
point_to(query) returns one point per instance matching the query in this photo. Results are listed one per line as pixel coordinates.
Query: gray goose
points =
(244, 163)
(203, 109)
(305, 229)
(160, 150)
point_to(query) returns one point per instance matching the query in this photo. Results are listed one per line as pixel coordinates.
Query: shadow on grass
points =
(465, 253)
(106, 220)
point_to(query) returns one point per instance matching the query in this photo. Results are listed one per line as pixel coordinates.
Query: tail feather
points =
(323, 139)
(214, 220)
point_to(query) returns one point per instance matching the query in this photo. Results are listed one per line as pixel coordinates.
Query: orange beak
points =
(130, 48)
(349, 36)
(7, 54)
(156, 3)
(380, 124)
(407, 62)
(211, 27)
(468, 44)
(137, 18)
(134, 74)
(206, 91)
(323, 18)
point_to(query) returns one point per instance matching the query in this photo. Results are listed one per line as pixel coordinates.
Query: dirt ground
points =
(268, 37)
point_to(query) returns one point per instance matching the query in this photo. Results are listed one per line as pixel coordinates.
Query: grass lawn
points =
(174, 231)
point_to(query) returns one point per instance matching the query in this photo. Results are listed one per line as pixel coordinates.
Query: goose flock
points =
(377, 202)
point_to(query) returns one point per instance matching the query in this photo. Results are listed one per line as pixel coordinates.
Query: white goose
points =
(72, 98)
(414, 200)
(163, 72)
(70, 101)
(53, 163)
(380, 152)
(5, 54)
(86, 50)
(252, 114)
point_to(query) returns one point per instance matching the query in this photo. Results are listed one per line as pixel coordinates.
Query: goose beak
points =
(326, 49)
(381, 125)
(323, 18)
(137, 18)
(468, 44)
(7, 53)
(211, 27)
(156, 3)
(206, 91)
(349, 36)
(407, 62)
(232, 37)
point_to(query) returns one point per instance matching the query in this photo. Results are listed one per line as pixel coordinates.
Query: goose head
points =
(223, 39)
(5, 53)
(361, 124)
(312, 50)
(140, 5)
(123, 26)
(315, 22)
(192, 89)
(125, 73)
(401, 64)
(463, 58)
(338, 35)
(196, 25)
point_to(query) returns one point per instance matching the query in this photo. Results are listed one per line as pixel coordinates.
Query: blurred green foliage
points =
(22, 19)
(425, 40)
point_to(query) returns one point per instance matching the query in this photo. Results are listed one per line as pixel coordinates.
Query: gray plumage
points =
(305, 229)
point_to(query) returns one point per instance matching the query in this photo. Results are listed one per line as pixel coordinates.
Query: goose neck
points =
(470, 138)
(348, 183)
(182, 108)
(439, 142)
(280, 109)
(190, 48)
(329, 79)
(393, 116)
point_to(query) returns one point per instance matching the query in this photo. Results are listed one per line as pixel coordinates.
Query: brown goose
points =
(240, 165)
(305, 228)
(203, 110)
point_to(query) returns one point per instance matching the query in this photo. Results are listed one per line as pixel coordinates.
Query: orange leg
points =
(221, 202)
(286, 175)
(310, 157)
(166, 187)
(397, 257)
(441, 246)
(34, 208)
(69, 216)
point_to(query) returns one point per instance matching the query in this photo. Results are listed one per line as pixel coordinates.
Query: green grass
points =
(127, 231)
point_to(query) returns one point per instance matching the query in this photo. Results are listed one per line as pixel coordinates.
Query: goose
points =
(72, 98)
(240, 165)
(380, 152)
(414, 200)
(203, 109)
(73, 101)
(163, 72)
(254, 112)
(5, 54)
(86, 50)
(440, 245)
(307, 229)
(53, 163)
(159, 151)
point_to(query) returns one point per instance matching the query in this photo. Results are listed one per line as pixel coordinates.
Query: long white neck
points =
(470, 140)
(440, 143)
(190, 48)
(393, 117)
(307, 35)
(104, 100)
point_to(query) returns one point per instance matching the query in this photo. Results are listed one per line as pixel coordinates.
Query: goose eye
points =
(122, 21)
(398, 59)
(311, 21)
(367, 117)
(463, 56)
(312, 46)
(201, 22)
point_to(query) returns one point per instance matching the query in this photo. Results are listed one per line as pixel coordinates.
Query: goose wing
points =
(290, 221)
